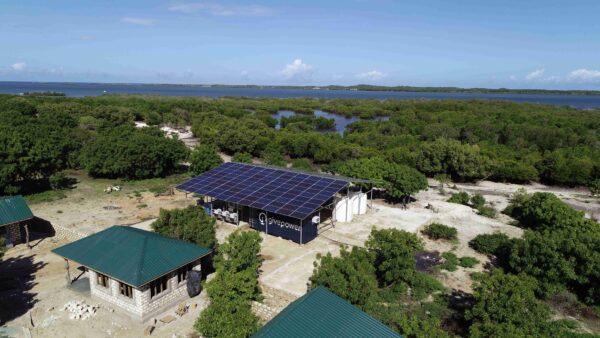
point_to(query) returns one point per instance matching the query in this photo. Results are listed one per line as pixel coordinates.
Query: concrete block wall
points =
(13, 233)
(142, 306)
(113, 295)
(175, 294)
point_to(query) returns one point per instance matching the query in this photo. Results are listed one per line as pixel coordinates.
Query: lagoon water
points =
(95, 89)
(341, 122)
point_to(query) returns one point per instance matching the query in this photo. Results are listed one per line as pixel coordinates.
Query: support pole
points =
(27, 235)
(266, 222)
(237, 211)
(371, 197)
(301, 228)
(67, 274)
(347, 201)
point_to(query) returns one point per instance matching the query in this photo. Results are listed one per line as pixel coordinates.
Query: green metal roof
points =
(131, 255)
(321, 313)
(13, 209)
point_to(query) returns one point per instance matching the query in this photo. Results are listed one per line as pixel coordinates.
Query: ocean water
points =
(95, 89)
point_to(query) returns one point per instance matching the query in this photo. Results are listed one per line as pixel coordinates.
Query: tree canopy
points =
(132, 153)
(191, 224)
(204, 158)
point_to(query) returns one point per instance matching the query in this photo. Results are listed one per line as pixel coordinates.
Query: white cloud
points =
(536, 74)
(87, 38)
(371, 75)
(138, 21)
(584, 75)
(19, 66)
(221, 10)
(512, 77)
(296, 69)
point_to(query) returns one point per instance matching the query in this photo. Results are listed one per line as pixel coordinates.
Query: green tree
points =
(394, 252)
(505, 304)
(132, 153)
(204, 158)
(350, 276)
(224, 318)
(543, 211)
(401, 182)
(191, 224)
(272, 155)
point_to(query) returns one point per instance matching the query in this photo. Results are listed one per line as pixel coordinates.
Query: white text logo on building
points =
(263, 219)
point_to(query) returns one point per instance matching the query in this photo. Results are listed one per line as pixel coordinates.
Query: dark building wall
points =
(283, 226)
(13, 233)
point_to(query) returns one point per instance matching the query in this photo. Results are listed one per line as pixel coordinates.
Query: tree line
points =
(465, 140)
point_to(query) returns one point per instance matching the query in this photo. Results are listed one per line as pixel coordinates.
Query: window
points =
(182, 272)
(158, 286)
(102, 280)
(126, 290)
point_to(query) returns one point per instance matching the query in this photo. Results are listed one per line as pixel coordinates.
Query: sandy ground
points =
(50, 295)
(287, 266)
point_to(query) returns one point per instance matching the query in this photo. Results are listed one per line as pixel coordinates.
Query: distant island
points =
(411, 89)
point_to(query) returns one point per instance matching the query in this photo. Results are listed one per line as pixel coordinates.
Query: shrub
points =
(440, 231)
(468, 262)
(477, 201)
(58, 181)
(595, 187)
(490, 244)
(460, 198)
(242, 158)
(486, 211)
(302, 164)
(450, 261)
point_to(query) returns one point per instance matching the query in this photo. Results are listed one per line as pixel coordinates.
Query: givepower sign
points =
(264, 220)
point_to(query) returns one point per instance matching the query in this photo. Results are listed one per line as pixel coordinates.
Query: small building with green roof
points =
(322, 314)
(14, 219)
(142, 272)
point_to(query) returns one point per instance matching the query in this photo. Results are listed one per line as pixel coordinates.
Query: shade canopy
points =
(277, 190)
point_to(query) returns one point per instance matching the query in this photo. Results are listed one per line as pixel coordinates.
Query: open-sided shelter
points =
(279, 201)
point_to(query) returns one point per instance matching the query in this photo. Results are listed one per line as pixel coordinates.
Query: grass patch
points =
(486, 211)
(468, 262)
(142, 206)
(46, 196)
(450, 261)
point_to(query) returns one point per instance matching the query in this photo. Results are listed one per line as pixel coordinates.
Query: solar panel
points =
(275, 190)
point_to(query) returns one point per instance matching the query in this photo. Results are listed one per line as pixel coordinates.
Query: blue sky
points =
(515, 44)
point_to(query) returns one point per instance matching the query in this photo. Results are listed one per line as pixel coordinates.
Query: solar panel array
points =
(274, 190)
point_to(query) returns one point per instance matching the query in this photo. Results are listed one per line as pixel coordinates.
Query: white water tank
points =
(359, 203)
(343, 210)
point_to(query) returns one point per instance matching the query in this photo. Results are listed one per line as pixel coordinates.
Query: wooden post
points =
(27, 235)
(67, 274)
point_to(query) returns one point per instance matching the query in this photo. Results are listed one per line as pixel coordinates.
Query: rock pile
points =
(80, 310)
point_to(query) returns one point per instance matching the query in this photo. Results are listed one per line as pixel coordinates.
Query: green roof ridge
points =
(321, 313)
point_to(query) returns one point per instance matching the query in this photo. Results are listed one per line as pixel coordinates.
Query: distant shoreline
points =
(360, 87)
